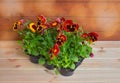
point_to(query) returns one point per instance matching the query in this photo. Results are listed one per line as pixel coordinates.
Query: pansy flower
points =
(61, 39)
(69, 26)
(84, 35)
(54, 51)
(20, 22)
(54, 24)
(61, 24)
(60, 28)
(60, 20)
(93, 36)
(32, 27)
(16, 24)
(41, 27)
(41, 20)
(41, 24)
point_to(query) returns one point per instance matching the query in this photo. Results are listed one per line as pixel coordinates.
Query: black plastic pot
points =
(34, 59)
(78, 63)
(66, 72)
(69, 72)
(50, 67)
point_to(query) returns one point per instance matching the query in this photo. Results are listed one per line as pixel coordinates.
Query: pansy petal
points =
(42, 19)
(15, 26)
(32, 27)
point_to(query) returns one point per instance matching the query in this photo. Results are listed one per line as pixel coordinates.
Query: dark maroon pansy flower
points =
(93, 36)
(69, 26)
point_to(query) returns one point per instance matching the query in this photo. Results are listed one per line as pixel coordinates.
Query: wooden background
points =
(102, 16)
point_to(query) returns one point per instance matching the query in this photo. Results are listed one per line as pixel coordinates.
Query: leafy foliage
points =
(30, 42)
(71, 51)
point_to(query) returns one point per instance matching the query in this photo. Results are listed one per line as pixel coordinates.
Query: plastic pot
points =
(34, 59)
(69, 72)
(50, 67)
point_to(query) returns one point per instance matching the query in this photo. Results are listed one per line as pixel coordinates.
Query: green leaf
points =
(75, 59)
(29, 51)
(41, 61)
(35, 52)
(72, 66)
(56, 71)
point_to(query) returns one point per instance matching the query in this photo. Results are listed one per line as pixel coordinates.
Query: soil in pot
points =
(50, 67)
(34, 59)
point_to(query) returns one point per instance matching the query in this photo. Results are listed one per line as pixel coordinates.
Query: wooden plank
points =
(12, 53)
(98, 76)
(9, 44)
(97, 64)
(79, 76)
(107, 44)
(37, 7)
(24, 82)
(106, 53)
(24, 75)
(103, 36)
(8, 35)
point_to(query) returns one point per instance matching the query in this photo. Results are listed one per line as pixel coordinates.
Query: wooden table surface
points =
(15, 66)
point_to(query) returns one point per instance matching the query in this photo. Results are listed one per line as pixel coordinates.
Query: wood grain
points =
(79, 76)
(102, 16)
(15, 66)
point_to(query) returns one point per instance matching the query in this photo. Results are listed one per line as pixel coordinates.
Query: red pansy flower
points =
(41, 20)
(84, 35)
(54, 51)
(93, 36)
(62, 19)
(69, 26)
(61, 39)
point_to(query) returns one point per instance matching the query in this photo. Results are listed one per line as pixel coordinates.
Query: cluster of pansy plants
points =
(37, 36)
(71, 45)
(66, 42)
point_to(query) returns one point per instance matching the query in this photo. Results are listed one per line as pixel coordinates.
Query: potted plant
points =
(36, 39)
(72, 46)
(60, 44)
(31, 35)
